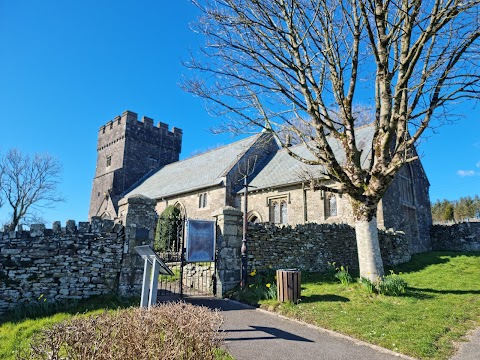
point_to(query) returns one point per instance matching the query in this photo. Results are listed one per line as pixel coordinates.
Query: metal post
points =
(147, 268)
(244, 237)
(152, 299)
(181, 237)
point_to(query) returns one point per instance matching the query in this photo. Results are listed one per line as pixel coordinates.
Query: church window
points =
(278, 211)
(283, 212)
(331, 208)
(109, 160)
(202, 200)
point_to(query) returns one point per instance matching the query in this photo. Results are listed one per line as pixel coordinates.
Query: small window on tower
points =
(109, 160)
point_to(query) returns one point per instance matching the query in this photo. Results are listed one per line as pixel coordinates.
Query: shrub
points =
(166, 231)
(391, 284)
(166, 331)
(343, 275)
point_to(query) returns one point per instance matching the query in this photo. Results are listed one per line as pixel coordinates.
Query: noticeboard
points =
(200, 240)
(146, 252)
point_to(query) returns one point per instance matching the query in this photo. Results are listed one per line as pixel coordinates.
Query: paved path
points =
(469, 350)
(256, 334)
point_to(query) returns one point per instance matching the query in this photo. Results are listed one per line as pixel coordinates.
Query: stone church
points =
(138, 158)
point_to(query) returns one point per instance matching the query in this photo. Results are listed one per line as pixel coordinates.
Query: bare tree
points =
(267, 63)
(29, 184)
(1, 182)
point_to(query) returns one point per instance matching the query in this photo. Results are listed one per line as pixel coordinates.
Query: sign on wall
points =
(200, 240)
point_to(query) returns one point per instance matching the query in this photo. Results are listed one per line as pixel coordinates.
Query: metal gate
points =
(189, 279)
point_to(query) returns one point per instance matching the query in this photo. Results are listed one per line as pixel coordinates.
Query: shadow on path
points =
(275, 334)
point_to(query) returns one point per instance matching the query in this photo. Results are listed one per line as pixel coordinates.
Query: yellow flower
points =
(254, 272)
(268, 285)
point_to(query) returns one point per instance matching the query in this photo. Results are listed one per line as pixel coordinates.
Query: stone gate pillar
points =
(229, 242)
(137, 214)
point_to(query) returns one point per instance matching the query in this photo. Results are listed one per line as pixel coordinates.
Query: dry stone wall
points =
(58, 263)
(310, 247)
(456, 237)
(75, 262)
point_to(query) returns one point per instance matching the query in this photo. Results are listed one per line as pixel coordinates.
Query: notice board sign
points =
(200, 240)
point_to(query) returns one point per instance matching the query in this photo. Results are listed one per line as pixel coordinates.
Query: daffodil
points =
(268, 285)
(254, 272)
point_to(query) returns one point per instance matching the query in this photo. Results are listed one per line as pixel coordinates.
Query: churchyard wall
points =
(311, 247)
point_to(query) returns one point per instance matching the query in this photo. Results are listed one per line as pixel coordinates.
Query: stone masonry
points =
(229, 241)
(127, 150)
(456, 237)
(311, 247)
(75, 262)
(58, 263)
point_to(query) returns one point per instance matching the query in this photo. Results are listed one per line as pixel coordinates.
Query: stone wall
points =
(310, 247)
(456, 237)
(58, 263)
(75, 262)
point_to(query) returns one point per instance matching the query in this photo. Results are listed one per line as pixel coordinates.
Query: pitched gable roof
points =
(200, 171)
(283, 169)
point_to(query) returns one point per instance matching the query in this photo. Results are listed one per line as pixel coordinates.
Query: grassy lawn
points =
(441, 304)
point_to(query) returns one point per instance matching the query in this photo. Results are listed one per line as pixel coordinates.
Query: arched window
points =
(283, 212)
(276, 212)
(331, 208)
(202, 200)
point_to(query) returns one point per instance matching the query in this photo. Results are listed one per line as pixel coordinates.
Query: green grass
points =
(441, 304)
(18, 327)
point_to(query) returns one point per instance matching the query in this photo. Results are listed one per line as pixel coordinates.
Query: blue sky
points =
(68, 67)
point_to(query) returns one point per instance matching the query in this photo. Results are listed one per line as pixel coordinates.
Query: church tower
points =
(129, 150)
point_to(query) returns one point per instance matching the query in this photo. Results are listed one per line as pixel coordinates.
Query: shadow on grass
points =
(421, 261)
(417, 294)
(40, 309)
(454, 292)
(324, 298)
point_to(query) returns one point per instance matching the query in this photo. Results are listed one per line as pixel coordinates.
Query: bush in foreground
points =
(167, 331)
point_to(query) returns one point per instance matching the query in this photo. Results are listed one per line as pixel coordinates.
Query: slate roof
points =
(283, 169)
(201, 171)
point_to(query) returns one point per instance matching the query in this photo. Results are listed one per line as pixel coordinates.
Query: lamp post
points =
(248, 171)
(244, 234)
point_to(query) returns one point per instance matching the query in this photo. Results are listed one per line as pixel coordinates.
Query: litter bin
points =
(288, 285)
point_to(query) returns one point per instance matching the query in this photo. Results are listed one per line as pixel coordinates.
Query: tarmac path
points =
(252, 334)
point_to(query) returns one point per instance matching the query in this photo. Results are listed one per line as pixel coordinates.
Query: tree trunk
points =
(368, 247)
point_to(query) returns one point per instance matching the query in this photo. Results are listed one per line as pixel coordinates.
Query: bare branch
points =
(294, 67)
(29, 184)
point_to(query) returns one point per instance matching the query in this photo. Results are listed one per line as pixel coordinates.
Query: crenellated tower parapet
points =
(127, 149)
